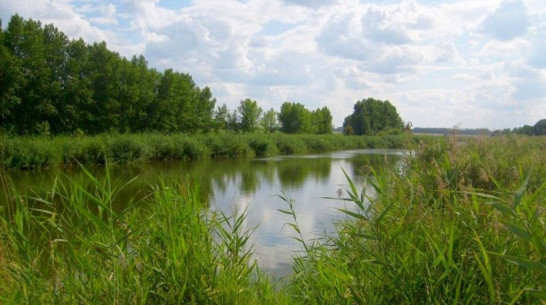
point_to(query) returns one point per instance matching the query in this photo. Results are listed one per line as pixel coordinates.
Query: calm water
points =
(252, 185)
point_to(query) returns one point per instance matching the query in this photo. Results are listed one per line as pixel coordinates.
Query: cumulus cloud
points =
(440, 63)
(528, 82)
(508, 21)
(536, 55)
(312, 3)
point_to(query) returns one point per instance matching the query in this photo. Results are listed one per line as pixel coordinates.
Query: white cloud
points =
(536, 53)
(508, 21)
(441, 63)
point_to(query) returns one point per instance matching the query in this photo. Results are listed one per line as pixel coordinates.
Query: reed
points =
(462, 223)
(39, 152)
(69, 245)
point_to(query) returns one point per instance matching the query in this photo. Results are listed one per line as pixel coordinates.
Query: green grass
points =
(38, 152)
(463, 222)
(69, 246)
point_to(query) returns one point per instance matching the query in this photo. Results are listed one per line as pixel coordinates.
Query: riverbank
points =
(39, 152)
(461, 223)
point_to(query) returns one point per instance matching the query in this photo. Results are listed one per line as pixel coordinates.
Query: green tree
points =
(294, 118)
(38, 87)
(371, 116)
(322, 121)
(11, 79)
(269, 121)
(221, 117)
(540, 128)
(250, 114)
(524, 130)
(77, 93)
(233, 121)
(49, 83)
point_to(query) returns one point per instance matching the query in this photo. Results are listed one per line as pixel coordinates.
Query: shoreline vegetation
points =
(462, 223)
(33, 152)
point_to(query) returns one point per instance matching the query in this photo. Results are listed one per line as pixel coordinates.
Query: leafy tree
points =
(524, 130)
(49, 83)
(371, 116)
(233, 122)
(11, 78)
(221, 118)
(250, 114)
(540, 128)
(269, 121)
(294, 118)
(322, 121)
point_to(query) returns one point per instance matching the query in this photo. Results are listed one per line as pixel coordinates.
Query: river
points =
(249, 185)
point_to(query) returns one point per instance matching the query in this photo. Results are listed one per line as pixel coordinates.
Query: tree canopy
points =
(250, 114)
(52, 84)
(371, 116)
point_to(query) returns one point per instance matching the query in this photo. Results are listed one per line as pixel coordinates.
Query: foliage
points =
(540, 128)
(371, 116)
(295, 118)
(250, 115)
(69, 245)
(36, 152)
(269, 122)
(460, 224)
(51, 84)
(321, 120)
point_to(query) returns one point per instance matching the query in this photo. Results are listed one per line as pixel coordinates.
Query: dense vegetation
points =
(53, 85)
(37, 152)
(462, 223)
(372, 116)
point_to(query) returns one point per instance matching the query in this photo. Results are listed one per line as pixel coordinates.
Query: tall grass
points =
(463, 223)
(36, 152)
(69, 246)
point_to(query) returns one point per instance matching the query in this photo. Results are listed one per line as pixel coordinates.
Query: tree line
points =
(50, 84)
(539, 129)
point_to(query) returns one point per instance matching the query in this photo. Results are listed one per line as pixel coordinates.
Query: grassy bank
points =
(462, 223)
(68, 246)
(37, 152)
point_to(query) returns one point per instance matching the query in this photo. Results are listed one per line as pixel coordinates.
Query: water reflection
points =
(250, 185)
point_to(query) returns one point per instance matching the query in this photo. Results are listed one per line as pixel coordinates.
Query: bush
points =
(125, 149)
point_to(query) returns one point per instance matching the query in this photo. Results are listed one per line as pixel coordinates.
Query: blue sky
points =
(441, 63)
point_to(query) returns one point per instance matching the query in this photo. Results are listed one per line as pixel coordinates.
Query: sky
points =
(471, 64)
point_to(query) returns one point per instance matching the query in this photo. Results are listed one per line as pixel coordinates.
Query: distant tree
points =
(524, 130)
(221, 117)
(322, 121)
(269, 121)
(233, 121)
(371, 116)
(540, 128)
(250, 114)
(294, 118)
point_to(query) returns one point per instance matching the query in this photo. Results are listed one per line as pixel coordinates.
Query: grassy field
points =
(462, 223)
(38, 152)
